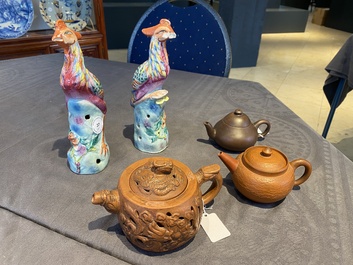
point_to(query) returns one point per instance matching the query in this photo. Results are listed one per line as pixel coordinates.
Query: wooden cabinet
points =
(93, 42)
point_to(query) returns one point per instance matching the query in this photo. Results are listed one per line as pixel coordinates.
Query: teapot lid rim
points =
(265, 159)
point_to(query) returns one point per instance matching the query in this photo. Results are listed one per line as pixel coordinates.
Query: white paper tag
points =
(214, 227)
(259, 132)
(97, 125)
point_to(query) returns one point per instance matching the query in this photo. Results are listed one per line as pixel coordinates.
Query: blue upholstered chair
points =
(202, 44)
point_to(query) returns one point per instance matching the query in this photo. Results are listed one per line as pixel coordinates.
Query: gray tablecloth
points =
(46, 215)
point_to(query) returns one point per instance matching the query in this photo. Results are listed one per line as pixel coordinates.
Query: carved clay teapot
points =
(159, 202)
(263, 174)
(235, 131)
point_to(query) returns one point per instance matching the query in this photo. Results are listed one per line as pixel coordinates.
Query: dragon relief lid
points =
(158, 180)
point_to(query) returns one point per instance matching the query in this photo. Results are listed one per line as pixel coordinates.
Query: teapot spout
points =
(230, 162)
(109, 199)
(210, 130)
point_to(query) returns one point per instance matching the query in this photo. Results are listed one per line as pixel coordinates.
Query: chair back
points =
(202, 44)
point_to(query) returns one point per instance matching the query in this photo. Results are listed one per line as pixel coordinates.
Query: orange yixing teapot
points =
(159, 202)
(263, 174)
(235, 131)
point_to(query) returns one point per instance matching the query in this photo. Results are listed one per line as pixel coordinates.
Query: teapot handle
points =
(268, 127)
(308, 168)
(210, 173)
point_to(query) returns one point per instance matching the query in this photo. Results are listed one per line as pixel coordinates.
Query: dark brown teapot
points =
(159, 201)
(264, 174)
(235, 131)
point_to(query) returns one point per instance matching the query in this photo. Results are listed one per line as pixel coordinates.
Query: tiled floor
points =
(291, 66)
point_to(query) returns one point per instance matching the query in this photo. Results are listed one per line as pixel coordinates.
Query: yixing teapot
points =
(264, 174)
(159, 202)
(235, 131)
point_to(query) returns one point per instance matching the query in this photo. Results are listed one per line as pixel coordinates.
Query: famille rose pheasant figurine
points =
(89, 152)
(148, 97)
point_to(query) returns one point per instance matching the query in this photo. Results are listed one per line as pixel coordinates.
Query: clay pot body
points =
(159, 202)
(235, 131)
(263, 174)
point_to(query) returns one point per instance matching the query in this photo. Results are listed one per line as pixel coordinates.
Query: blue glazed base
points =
(150, 130)
(89, 153)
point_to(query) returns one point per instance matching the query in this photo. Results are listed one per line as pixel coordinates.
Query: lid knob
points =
(238, 112)
(162, 166)
(266, 152)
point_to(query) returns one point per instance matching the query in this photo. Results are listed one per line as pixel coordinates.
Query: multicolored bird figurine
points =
(86, 107)
(148, 98)
(75, 80)
(151, 75)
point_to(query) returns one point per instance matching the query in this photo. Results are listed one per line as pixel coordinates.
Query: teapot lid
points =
(237, 119)
(265, 159)
(158, 179)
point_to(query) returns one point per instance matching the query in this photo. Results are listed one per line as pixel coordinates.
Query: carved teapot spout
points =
(159, 202)
(109, 199)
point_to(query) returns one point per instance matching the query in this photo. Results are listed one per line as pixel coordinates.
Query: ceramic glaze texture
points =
(89, 153)
(150, 130)
(159, 202)
(148, 97)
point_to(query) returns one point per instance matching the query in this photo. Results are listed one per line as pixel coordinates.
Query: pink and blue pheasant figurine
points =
(89, 152)
(148, 96)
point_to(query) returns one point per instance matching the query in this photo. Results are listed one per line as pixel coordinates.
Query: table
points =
(46, 215)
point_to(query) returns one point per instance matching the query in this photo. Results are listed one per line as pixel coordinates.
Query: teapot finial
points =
(162, 166)
(238, 112)
(266, 152)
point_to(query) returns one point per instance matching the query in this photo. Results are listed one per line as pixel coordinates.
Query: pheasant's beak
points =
(57, 38)
(172, 35)
(64, 38)
(167, 35)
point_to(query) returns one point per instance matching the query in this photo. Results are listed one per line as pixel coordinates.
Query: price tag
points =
(260, 132)
(97, 125)
(214, 227)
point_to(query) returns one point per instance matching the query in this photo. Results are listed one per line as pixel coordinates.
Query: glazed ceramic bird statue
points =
(151, 75)
(75, 80)
(148, 97)
(86, 107)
